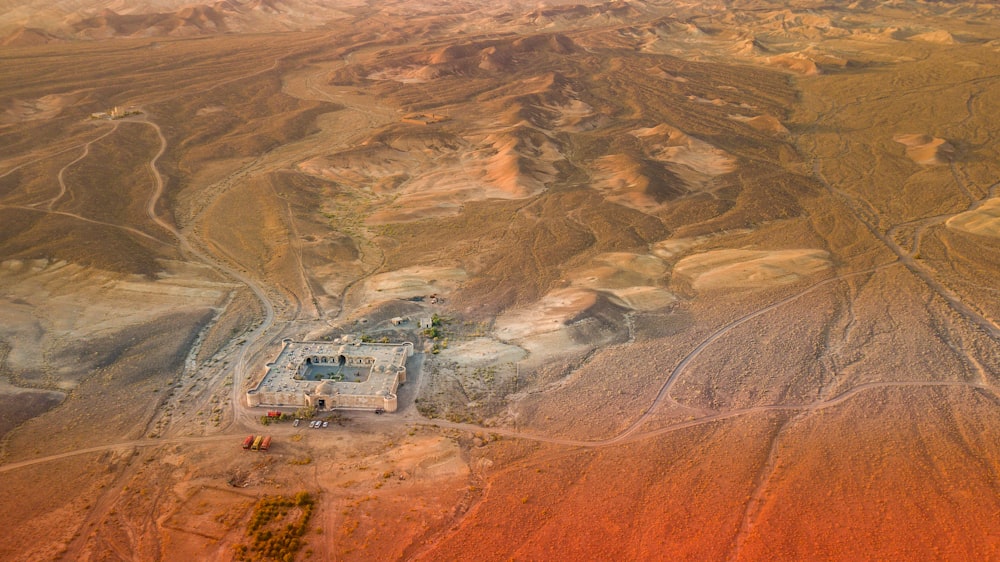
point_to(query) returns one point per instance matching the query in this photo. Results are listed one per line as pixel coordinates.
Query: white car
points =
(295, 423)
(326, 423)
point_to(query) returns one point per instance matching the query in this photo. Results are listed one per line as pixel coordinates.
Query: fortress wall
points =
(276, 399)
(365, 402)
(353, 401)
(384, 378)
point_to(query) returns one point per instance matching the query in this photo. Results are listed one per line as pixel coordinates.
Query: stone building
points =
(342, 374)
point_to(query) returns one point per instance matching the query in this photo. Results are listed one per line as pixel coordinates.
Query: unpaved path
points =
(664, 393)
(62, 171)
(128, 229)
(235, 436)
(252, 338)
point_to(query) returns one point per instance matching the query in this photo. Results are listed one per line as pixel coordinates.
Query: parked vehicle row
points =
(257, 443)
(313, 424)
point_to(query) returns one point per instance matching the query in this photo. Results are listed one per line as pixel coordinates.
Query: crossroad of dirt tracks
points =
(257, 338)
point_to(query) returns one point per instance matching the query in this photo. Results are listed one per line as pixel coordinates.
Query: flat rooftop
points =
(383, 361)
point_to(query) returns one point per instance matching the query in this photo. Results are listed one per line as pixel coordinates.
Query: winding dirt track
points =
(254, 336)
(627, 435)
(256, 339)
(865, 214)
(988, 325)
(664, 393)
(128, 229)
(616, 440)
(254, 342)
(62, 172)
(46, 157)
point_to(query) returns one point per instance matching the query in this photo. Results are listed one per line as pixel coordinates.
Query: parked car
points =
(295, 423)
(326, 423)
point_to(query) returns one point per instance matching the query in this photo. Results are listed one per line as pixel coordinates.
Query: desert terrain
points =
(710, 280)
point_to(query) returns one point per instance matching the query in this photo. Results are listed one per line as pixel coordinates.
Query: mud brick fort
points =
(342, 374)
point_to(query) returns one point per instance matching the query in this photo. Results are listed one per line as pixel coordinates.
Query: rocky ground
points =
(711, 281)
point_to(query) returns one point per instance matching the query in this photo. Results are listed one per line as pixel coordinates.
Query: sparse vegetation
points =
(599, 168)
(276, 527)
(305, 413)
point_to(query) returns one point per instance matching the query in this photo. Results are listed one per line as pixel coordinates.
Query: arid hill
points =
(684, 280)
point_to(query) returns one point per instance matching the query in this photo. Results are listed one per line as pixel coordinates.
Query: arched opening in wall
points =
(321, 403)
(309, 361)
(341, 360)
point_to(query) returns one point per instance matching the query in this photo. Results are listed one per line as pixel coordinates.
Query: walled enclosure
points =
(342, 374)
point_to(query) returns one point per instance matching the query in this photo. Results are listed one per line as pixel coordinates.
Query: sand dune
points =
(984, 221)
(642, 298)
(671, 248)
(791, 41)
(191, 20)
(800, 25)
(366, 167)
(786, 39)
(726, 269)
(785, 19)
(619, 270)
(925, 149)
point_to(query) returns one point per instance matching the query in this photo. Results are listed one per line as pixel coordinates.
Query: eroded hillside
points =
(705, 280)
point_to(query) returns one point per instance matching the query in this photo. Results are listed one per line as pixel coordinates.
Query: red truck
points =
(266, 443)
(247, 442)
(273, 414)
